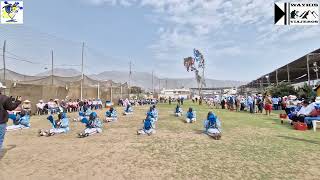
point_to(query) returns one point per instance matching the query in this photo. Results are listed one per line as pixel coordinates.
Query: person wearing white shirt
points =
(95, 104)
(305, 109)
(100, 103)
(40, 107)
(301, 111)
(52, 106)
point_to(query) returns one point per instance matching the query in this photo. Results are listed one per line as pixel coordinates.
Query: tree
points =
(135, 90)
(283, 89)
(306, 92)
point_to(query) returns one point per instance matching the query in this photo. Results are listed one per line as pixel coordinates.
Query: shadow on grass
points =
(183, 121)
(199, 132)
(173, 115)
(5, 150)
(299, 139)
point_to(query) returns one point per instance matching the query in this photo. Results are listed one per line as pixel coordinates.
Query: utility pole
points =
(277, 80)
(98, 90)
(288, 73)
(4, 62)
(130, 73)
(308, 69)
(121, 90)
(152, 84)
(202, 80)
(82, 76)
(111, 93)
(166, 83)
(52, 67)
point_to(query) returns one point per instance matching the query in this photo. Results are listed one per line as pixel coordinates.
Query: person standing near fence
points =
(6, 104)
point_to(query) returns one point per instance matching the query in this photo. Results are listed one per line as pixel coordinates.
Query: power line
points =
(37, 63)
(18, 58)
(21, 60)
(27, 33)
(99, 54)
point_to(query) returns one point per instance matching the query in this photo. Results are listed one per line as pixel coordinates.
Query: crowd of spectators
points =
(56, 105)
(298, 110)
(137, 102)
(253, 103)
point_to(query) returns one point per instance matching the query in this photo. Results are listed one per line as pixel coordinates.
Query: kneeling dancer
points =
(93, 125)
(59, 126)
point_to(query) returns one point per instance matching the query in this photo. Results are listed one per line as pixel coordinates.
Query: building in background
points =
(175, 93)
(212, 92)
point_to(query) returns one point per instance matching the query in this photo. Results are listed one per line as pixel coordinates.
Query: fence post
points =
(111, 94)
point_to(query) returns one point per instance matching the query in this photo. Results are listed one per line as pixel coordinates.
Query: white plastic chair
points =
(314, 124)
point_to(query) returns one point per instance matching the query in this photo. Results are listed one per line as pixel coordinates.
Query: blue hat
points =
(81, 113)
(149, 114)
(93, 115)
(212, 117)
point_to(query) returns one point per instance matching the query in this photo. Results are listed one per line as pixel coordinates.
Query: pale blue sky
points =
(237, 38)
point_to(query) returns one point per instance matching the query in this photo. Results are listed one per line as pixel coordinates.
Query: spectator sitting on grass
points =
(26, 105)
(100, 103)
(41, 108)
(52, 106)
(314, 109)
(298, 113)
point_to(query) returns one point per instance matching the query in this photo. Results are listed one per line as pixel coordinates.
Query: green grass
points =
(253, 146)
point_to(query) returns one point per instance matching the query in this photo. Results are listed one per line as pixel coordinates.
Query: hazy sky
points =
(237, 37)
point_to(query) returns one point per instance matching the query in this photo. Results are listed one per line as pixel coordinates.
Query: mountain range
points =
(144, 79)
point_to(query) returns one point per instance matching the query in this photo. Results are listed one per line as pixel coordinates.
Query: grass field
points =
(252, 147)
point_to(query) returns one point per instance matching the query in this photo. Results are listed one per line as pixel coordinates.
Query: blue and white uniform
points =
(148, 127)
(82, 114)
(212, 126)
(128, 109)
(93, 125)
(111, 115)
(191, 116)
(178, 111)
(61, 127)
(155, 113)
(151, 116)
(58, 127)
(20, 121)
